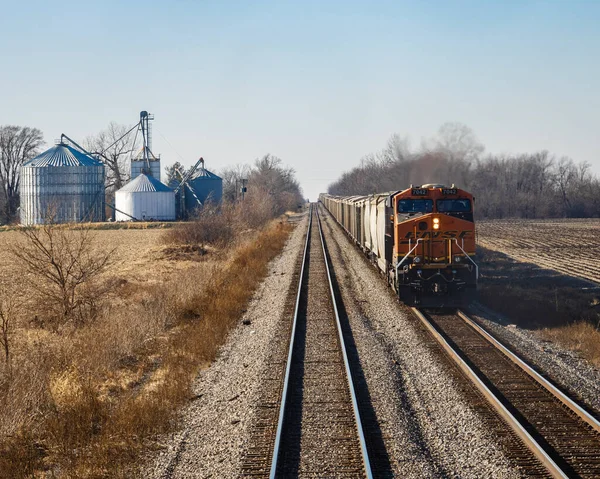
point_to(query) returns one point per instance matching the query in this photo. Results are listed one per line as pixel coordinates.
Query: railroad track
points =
(317, 431)
(562, 435)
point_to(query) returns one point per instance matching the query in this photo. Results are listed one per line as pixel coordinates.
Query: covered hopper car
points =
(421, 238)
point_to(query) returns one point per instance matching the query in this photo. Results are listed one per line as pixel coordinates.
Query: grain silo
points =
(64, 183)
(206, 186)
(145, 198)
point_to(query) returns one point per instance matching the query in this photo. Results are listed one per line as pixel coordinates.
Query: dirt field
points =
(571, 247)
(538, 273)
(139, 255)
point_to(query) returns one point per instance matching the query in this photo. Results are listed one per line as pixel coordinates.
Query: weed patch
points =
(88, 401)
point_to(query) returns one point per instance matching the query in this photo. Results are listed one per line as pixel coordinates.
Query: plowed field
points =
(570, 247)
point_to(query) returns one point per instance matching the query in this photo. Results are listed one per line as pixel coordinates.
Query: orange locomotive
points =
(434, 245)
(421, 238)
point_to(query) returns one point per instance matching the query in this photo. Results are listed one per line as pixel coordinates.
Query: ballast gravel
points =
(216, 426)
(566, 368)
(428, 429)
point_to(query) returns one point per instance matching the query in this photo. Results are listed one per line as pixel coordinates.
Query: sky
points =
(318, 84)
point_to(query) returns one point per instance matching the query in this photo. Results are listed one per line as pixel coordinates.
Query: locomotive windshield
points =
(415, 206)
(453, 206)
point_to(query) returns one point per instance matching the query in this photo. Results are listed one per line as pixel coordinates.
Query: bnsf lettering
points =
(438, 234)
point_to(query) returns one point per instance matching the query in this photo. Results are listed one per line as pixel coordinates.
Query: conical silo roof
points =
(144, 182)
(204, 173)
(62, 155)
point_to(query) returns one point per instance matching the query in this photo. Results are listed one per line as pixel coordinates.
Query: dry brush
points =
(89, 400)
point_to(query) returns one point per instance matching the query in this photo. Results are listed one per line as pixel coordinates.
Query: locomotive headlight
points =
(436, 223)
(457, 259)
(436, 220)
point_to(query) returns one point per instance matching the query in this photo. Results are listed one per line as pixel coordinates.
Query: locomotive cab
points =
(433, 260)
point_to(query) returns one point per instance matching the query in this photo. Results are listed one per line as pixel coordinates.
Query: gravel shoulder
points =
(566, 368)
(216, 427)
(429, 428)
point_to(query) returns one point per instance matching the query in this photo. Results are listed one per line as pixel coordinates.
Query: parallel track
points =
(318, 429)
(563, 436)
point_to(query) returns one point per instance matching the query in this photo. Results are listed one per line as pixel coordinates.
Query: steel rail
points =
(286, 380)
(359, 428)
(282, 407)
(512, 422)
(551, 388)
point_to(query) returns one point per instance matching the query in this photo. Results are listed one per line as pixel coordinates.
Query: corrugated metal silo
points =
(206, 185)
(65, 182)
(145, 198)
(139, 165)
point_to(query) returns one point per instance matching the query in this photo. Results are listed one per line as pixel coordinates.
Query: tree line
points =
(528, 185)
(266, 186)
(17, 146)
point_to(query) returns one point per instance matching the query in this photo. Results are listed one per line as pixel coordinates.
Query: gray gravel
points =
(429, 429)
(569, 370)
(216, 426)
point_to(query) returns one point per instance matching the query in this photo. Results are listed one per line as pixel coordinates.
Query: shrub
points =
(212, 224)
(62, 265)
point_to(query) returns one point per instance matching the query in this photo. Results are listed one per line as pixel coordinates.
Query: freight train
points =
(422, 239)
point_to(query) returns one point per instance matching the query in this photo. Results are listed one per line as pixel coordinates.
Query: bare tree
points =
(458, 142)
(17, 145)
(232, 180)
(397, 149)
(115, 150)
(8, 310)
(566, 175)
(270, 177)
(62, 264)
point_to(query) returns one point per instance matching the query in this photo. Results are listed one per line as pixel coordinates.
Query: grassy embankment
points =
(88, 400)
(562, 309)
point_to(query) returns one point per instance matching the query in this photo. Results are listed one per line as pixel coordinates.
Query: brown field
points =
(138, 257)
(571, 247)
(88, 399)
(538, 274)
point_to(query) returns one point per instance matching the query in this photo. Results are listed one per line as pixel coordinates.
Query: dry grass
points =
(112, 225)
(212, 224)
(220, 225)
(88, 401)
(581, 336)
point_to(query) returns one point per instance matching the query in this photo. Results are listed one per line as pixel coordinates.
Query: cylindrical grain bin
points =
(145, 198)
(206, 185)
(62, 184)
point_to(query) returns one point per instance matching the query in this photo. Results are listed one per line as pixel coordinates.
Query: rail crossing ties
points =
(352, 455)
(561, 434)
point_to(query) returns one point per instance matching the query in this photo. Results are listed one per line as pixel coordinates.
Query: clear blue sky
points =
(319, 86)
